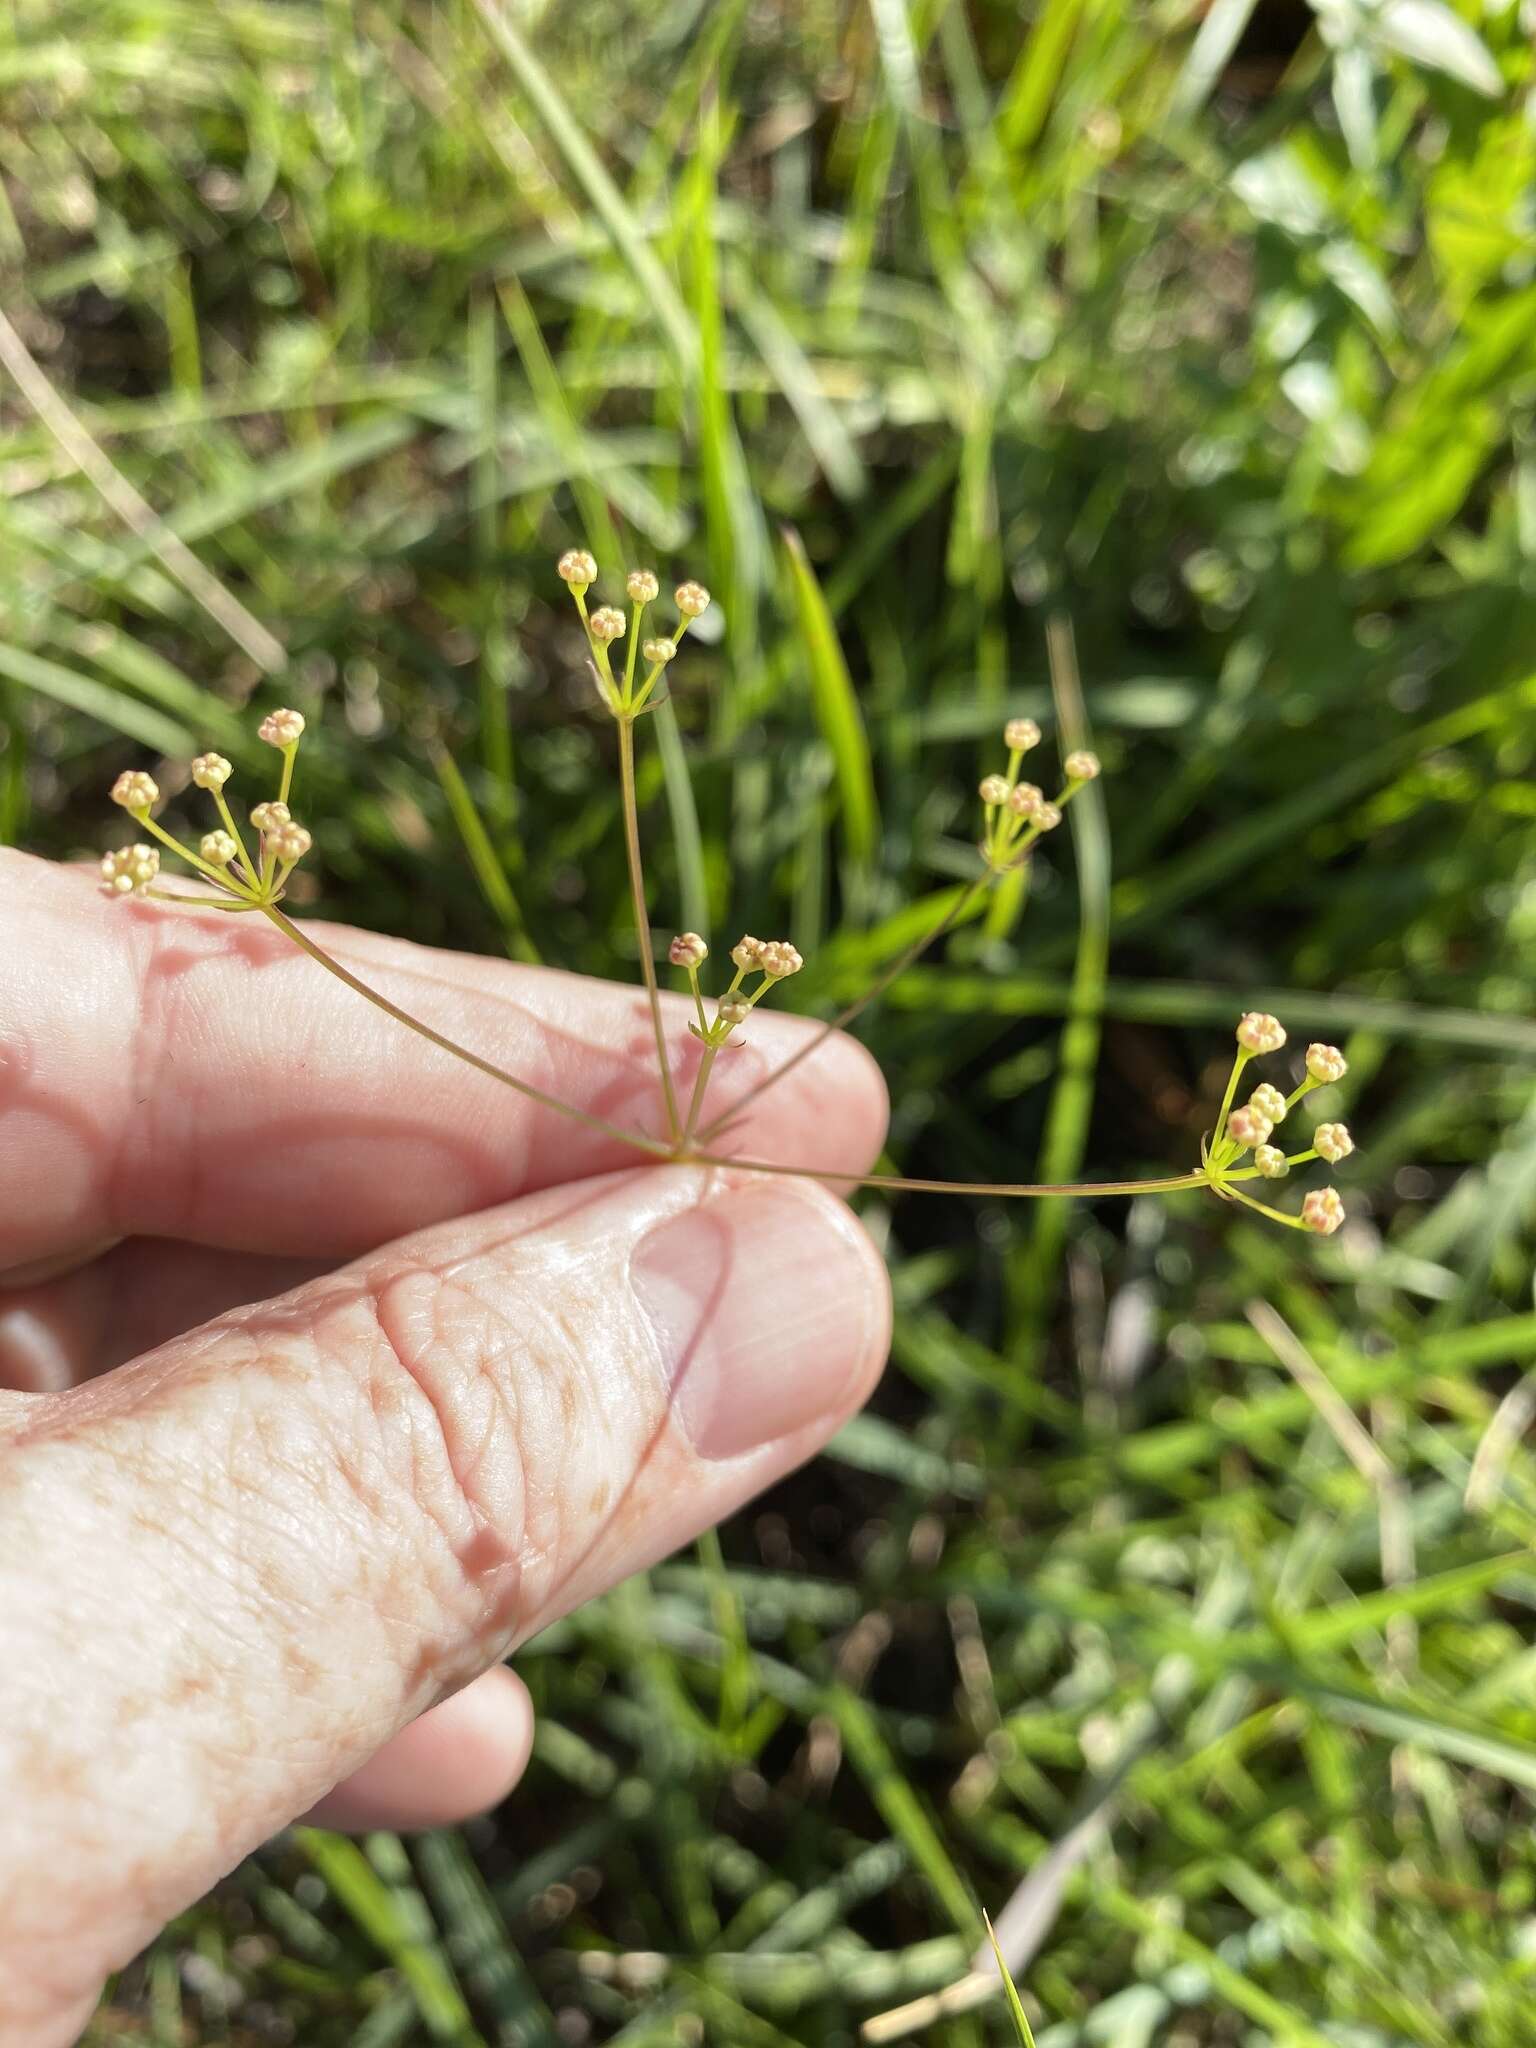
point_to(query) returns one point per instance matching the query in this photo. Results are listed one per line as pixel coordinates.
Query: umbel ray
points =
(247, 870)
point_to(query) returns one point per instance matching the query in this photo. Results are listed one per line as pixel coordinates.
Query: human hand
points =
(330, 1370)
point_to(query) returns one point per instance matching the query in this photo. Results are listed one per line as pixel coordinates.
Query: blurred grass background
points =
(1202, 336)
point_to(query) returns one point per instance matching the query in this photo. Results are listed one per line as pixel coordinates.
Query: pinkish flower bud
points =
(1332, 1142)
(692, 600)
(1268, 1102)
(780, 959)
(577, 568)
(217, 848)
(993, 791)
(732, 1011)
(135, 790)
(268, 816)
(1081, 766)
(688, 950)
(281, 728)
(1326, 1063)
(128, 870)
(211, 771)
(1247, 1127)
(1048, 817)
(660, 651)
(289, 843)
(1322, 1211)
(747, 953)
(1271, 1162)
(1020, 734)
(1025, 799)
(642, 586)
(606, 623)
(1259, 1032)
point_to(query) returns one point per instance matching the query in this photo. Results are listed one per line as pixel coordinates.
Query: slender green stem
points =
(642, 920)
(632, 654)
(201, 902)
(290, 754)
(696, 1103)
(844, 1018)
(666, 1154)
(205, 868)
(698, 1002)
(285, 924)
(1263, 1209)
(643, 697)
(1238, 1064)
(669, 1155)
(228, 817)
(895, 1183)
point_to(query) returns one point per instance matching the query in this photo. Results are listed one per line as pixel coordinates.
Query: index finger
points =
(187, 1074)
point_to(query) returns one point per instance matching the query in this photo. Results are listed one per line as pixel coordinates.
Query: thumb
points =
(233, 1569)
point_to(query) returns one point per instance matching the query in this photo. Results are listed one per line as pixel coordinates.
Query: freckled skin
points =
(476, 1499)
(272, 1510)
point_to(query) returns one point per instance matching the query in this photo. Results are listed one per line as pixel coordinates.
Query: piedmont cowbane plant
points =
(251, 876)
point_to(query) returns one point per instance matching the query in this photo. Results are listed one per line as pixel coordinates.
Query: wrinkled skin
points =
(330, 1370)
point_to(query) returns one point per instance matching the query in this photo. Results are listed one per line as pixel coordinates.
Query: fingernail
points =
(766, 1306)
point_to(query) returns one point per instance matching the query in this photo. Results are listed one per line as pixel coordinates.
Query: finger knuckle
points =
(480, 1400)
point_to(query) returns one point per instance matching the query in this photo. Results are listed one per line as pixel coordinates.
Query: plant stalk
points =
(844, 1018)
(285, 924)
(642, 920)
(696, 1104)
(673, 1154)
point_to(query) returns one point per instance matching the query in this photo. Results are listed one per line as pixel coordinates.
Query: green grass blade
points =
(1065, 1141)
(373, 1906)
(483, 858)
(481, 1945)
(1016, 2012)
(628, 237)
(903, 1812)
(836, 708)
(1027, 98)
(98, 700)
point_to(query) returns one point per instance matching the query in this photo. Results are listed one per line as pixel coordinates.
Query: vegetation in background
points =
(1179, 1575)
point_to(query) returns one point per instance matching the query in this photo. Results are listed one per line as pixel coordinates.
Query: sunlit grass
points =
(1193, 353)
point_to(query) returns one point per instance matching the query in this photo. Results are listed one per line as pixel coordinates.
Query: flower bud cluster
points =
(129, 870)
(1326, 1063)
(136, 792)
(1322, 1211)
(280, 729)
(627, 694)
(577, 568)
(220, 857)
(288, 843)
(1017, 813)
(774, 960)
(1249, 1128)
(1246, 1127)
(1258, 1032)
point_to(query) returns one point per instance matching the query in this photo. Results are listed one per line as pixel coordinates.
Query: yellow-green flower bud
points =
(577, 568)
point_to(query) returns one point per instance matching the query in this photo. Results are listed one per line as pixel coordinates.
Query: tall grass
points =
(1203, 333)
